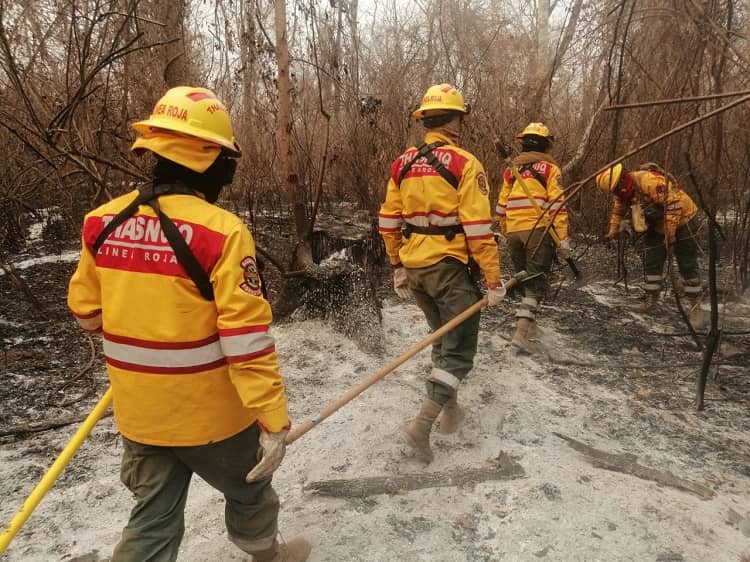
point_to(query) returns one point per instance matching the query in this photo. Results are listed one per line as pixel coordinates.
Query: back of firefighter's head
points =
(535, 138)
(191, 135)
(440, 105)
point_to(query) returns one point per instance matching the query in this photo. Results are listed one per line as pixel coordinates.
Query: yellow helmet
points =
(609, 178)
(195, 112)
(440, 99)
(538, 129)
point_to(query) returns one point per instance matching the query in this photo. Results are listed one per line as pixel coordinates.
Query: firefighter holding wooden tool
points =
(530, 200)
(435, 220)
(171, 281)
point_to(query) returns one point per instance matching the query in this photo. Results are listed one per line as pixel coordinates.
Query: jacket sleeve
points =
(84, 293)
(243, 322)
(618, 212)
(476, 218)
(502, 200)
(390, 221)
(557, 208)
(672, 210)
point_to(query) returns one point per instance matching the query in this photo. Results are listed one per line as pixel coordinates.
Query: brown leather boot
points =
(647, 305)
(521, 336)
(451, 417)
(294, 550)
(416, 433)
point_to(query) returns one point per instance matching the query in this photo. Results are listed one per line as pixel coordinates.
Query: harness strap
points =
(534, 172)
(149, 195)
(426, 151)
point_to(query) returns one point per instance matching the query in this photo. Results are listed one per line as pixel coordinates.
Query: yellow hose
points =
(54, 471)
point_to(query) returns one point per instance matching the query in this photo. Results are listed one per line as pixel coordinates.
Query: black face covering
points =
(210, 182)
(534, 143)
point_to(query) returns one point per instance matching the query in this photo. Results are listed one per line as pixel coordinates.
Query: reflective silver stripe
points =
(500, 210)
(673, 206)
(417, 221)
(525, 313)
(173, 358)
(527, 308)
(444, 377)
(90, 324)
(478, 229)
(244, 344)
(651, 287)
(521, 203)
(437, 220)
(389, 222)
(554, 206)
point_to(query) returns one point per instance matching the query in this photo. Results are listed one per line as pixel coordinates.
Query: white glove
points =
(270, 454)
(495, 294)
(401, 283)
(563, 250)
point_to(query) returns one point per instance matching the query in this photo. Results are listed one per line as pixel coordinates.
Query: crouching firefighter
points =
(435, 218)
(668, 216)
(171, 282)
(530, 199)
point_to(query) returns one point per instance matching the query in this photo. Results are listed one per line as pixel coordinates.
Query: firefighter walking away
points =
(435, 219)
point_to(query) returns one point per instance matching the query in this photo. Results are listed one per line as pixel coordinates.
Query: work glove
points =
(563, 250)
(270, 454)
(495, 293)
(612, 234)
(401, 283)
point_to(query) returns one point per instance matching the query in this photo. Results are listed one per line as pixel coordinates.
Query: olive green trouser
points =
(444, 290)
(532, 252)
(685, 249)
(159, 477)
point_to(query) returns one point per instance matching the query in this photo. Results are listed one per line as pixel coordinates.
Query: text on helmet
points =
(172, 111)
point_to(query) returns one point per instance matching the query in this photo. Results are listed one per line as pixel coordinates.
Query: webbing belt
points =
(448, 231)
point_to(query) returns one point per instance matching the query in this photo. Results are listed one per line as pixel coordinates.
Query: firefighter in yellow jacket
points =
(668, 216)
(435, 219)
(531, 198)
(171, 282)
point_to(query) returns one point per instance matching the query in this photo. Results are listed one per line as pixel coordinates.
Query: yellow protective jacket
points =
(652, 188)
(517, 212)
(184, 370)
(426, 199)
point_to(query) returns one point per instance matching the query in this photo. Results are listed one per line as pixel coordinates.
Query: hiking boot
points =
(416, 433)
(647, 305)
(521, 336)
(451, 417)
(695, 313)
(294, 550)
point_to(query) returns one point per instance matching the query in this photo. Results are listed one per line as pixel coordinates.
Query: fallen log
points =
(502, 468)
(627, 464)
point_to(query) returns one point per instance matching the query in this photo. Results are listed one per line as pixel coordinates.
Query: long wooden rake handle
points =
(303, 428)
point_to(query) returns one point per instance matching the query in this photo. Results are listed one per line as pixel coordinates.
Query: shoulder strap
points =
(534, 172)
(425, 150)
(442, 170)
(183, 253)
(149, 195)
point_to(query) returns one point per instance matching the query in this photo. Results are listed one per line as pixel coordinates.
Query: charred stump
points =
(340, 287)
